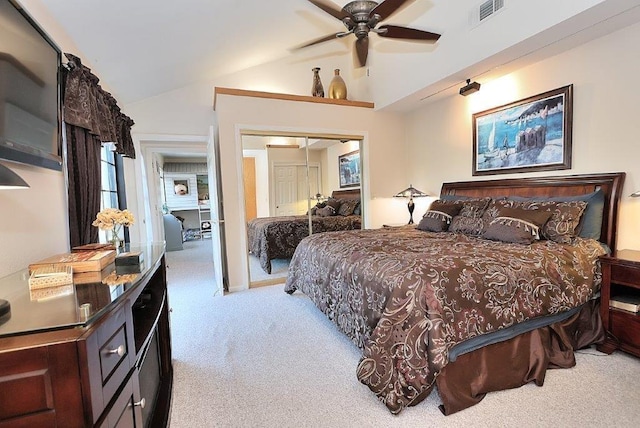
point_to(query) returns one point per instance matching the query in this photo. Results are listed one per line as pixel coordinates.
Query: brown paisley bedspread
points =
(277, 237)
(406, 297)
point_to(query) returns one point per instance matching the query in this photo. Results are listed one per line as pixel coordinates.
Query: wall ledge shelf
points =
(287, 97)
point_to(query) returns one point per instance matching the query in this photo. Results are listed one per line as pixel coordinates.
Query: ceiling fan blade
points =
(362, 50)
(396, 32)
(331, 9)
(317, 41)
(386, 8)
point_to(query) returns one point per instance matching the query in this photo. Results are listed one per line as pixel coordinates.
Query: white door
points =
(302, 205)
(217, 224)
(286, 190)
(314, 181)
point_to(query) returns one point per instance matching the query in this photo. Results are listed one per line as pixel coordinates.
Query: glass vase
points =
(115, 239)
(317, 90)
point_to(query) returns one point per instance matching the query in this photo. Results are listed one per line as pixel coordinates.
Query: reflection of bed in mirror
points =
(277, 237)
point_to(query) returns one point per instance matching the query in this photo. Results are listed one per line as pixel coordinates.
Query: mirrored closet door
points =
(288, 185)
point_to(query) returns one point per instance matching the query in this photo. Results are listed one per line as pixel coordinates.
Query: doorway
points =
(155, 150)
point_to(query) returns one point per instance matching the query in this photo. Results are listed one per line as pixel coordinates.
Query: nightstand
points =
(620, 276)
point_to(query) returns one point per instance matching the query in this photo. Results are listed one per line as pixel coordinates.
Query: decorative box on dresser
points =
(97, 355)
(620, 277)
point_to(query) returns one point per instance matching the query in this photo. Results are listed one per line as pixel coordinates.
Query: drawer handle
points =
(119, 350)
(140, 403)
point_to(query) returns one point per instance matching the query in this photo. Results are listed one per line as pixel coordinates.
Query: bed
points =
(277, 237)
(459, 311)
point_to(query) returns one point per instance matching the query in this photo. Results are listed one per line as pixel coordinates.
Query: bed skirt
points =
(517, 361)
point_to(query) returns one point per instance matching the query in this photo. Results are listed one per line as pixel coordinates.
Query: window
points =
(109, 188)
(112, 186)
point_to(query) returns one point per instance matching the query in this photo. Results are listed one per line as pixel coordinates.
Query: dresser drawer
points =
(113, 353)
(626, 327)
(126, 409)
(110, 359)
(625, 275)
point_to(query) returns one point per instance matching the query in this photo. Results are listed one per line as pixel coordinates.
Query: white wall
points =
(33, 222)
(605, 121)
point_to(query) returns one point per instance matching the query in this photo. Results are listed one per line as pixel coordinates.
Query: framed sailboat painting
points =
(533, 134)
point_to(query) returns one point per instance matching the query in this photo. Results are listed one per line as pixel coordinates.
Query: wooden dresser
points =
(96, 355)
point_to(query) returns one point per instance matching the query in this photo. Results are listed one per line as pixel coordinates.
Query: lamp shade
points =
(410, 192)
(11, 180)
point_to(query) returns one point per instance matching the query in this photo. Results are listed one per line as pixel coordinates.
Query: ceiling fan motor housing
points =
(360, 21)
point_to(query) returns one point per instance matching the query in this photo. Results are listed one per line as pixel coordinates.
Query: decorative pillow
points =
(347, 206)
(333, 203)
(469, 220)
(439, 216)
(516, 225)
(564, 221)
(326, 211)
(493, 210)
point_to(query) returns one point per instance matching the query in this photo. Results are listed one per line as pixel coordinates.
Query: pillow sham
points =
(358, 208)
(438, 217)
(516, 225)
(347, 206)
(452, 198)
(565, 217)
(334, 204)
(469, 219)
(325, 211)
(591, 223)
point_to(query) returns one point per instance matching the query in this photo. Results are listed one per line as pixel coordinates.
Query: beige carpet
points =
(262, 358)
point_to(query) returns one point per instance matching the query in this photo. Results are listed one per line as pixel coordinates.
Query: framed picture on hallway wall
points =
(349, 169)
(533, 134)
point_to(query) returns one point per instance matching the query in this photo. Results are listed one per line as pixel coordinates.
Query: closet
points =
(287, 176)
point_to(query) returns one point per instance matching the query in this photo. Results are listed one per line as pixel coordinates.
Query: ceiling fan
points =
(362, 17)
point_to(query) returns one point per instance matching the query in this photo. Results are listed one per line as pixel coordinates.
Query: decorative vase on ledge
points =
(317, 90)
(337, 87)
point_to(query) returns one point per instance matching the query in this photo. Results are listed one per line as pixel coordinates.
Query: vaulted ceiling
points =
(142, 48)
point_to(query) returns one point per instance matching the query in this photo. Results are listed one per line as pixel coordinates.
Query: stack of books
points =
(630, 303)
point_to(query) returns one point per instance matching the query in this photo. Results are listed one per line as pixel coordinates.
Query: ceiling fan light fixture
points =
(469, 88)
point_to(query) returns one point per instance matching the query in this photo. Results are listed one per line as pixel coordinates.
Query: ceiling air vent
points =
(485, 10)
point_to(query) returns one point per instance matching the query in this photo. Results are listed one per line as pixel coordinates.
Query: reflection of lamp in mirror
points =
(11, 180)
(320, 198)
(410, 192)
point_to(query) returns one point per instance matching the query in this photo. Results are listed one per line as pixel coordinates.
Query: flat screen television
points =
(29, 91)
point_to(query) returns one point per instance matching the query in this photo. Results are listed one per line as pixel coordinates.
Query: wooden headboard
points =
(568, 185)
(346, 194)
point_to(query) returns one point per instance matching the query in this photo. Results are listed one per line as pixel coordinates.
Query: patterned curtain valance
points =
(87, 105)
